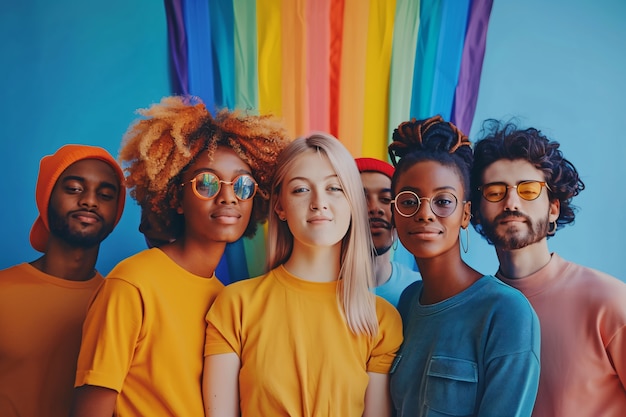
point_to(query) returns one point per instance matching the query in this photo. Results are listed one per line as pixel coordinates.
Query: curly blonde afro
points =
(157, 149)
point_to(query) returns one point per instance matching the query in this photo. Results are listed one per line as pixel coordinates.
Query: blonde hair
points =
(157, 149)
(356, 278)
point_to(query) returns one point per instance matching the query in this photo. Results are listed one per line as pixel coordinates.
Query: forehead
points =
(425, 176)
(375, 180)
(91, 170)
(511, 171)
(310, 164)
(224, 161)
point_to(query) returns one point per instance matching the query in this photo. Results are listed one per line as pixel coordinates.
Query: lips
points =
(511, 218)
(319, 219)
(379, 224)
(84, 216)
(426, 232)
(227, 215)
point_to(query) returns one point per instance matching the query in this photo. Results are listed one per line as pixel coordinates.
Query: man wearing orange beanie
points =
(391, 277)
(80, 195)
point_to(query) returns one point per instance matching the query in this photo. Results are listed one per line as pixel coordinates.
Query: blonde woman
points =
(308, 338)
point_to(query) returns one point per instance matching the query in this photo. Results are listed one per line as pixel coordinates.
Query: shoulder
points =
(592, 286)
(408, 296)
(152, 268)
(152, 259)
(244, 289)
(497, 296)
(385, 308)
(14, 270)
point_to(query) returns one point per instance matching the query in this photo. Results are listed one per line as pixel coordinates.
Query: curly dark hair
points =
(431, 139)
(158, 149)
(506, 141)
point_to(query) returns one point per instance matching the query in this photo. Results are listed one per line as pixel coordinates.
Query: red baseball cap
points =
(375, 165)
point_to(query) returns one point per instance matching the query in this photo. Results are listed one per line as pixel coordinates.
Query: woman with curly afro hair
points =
(201, 182)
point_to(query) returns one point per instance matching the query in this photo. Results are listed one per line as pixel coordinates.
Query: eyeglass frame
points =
(220, 181)
(430, 202)
(508, 187)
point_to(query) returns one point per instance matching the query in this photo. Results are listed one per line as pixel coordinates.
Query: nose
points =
(511, 200)
(373, 206)
(226, 194)
(318, 202)
(424, 212)
(89, 199)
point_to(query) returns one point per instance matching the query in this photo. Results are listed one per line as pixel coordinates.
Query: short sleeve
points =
(223, 331)
(110, 335)
(388, 340)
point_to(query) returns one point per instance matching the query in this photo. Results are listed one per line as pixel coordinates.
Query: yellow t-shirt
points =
(41, 317)
(298, 356)
(144, 335)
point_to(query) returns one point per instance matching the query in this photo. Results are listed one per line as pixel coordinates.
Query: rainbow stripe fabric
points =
(353, 68)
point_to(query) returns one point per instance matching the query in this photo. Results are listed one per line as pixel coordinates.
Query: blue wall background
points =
(560, 66)
(76, 71)
(72, 72)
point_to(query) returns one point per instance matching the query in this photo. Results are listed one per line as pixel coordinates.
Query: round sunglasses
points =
(206, 185)
(527, 190)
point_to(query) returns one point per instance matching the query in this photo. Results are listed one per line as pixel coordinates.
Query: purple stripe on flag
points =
(177, 43)
(466, 94)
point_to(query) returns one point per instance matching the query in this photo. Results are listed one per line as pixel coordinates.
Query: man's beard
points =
(382, 250)
(60, 228)
(518, 239)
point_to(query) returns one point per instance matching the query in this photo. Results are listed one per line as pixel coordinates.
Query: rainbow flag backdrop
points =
(353, 68)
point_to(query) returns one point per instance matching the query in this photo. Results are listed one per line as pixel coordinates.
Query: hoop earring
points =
(467, 239)
(394, 240)
(552, 229)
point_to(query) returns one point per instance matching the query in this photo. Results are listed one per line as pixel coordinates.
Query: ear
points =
(280, 212)
(555, 210)
(467, 214)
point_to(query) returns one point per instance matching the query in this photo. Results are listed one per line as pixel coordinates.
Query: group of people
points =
(335, 327)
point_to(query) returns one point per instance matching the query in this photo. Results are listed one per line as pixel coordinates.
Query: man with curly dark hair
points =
(522, 190)
(202, 182)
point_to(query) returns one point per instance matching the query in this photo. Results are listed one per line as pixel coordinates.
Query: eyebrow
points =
(332, 176)
(417, 190)
(381, 190)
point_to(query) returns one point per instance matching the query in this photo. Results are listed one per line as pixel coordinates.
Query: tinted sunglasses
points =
(206, 185)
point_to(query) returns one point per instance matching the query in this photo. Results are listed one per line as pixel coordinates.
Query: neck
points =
(72, 264)
(198, 258)
(445, 276)
(319, 264)
(382, 268)
(519, 263)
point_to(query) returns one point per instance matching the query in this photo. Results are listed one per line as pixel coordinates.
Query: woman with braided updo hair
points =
(201, 182)
(471, 343)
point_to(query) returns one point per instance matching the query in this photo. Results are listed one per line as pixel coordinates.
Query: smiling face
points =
(313, 203)
(377, 189)
(515, 223)
(223, 218)
(424, 234)
(83, 203)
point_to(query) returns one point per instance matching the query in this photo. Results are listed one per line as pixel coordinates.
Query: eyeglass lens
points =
(408, 203)
(207, 185)
(527, 190)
